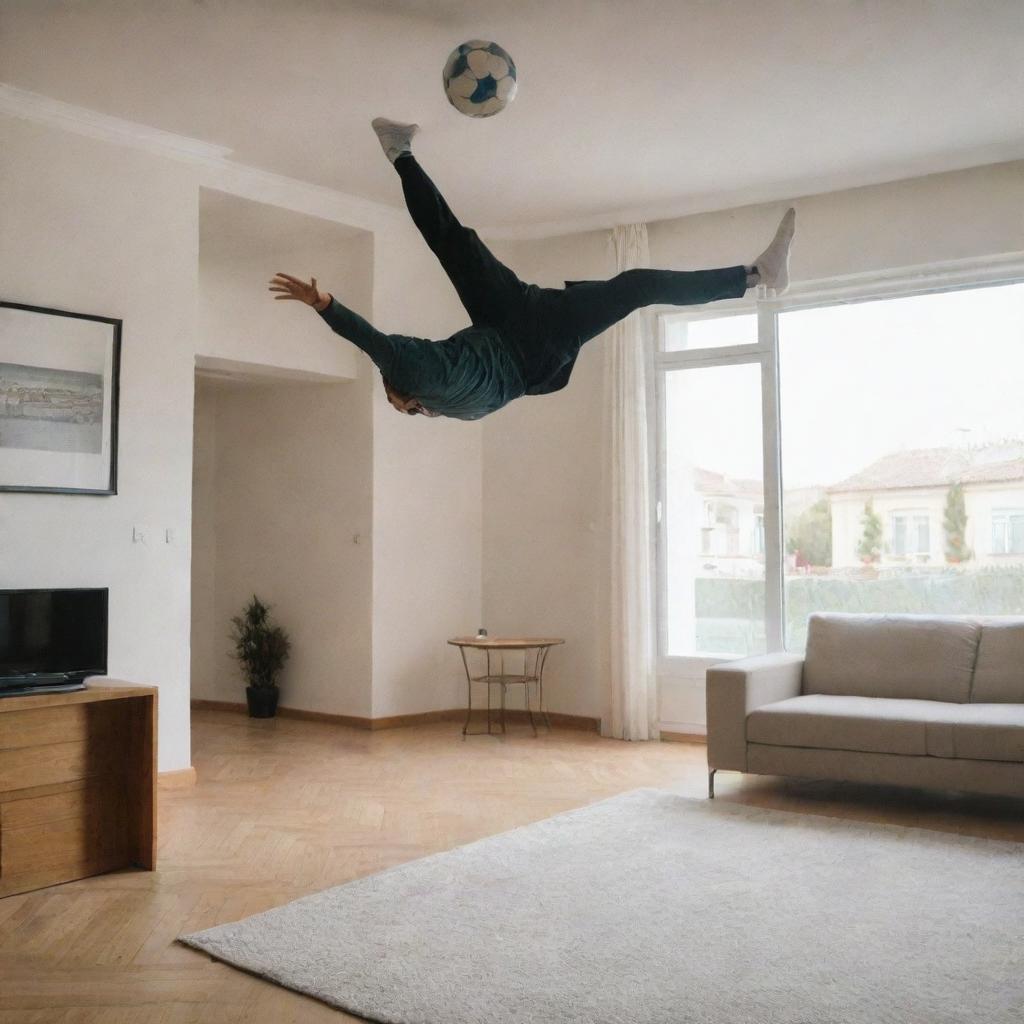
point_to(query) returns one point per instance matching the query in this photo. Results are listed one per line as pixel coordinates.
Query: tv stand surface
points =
(77, 784)
(30, 689)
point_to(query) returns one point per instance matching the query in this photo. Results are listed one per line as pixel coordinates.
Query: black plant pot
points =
(262, 701)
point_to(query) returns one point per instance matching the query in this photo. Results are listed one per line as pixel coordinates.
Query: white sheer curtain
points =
(633, 696)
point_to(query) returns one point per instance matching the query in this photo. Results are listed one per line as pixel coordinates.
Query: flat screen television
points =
(51, 640)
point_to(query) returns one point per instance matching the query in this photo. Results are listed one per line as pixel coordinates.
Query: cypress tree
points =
(954, 523)
(870, 547)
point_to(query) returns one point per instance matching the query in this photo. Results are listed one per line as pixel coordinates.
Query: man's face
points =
(404, 404)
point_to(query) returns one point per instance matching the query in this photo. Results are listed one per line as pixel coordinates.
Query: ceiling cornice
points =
(214, 168)
(216, 171)
(34, 106)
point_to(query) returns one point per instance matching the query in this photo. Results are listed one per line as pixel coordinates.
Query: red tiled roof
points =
(707, 481)
(938, 467)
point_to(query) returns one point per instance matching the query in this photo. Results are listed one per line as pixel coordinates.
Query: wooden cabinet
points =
(77, 785)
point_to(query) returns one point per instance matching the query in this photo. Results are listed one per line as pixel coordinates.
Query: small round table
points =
(533, 672)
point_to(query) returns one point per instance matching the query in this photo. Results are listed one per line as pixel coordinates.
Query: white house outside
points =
(908, 492)
(716, 546)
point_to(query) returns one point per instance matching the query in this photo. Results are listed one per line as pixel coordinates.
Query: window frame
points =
(1006, 516)
(955, 275)
(913, 519)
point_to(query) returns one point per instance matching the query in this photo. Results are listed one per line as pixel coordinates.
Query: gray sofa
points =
(906, 700)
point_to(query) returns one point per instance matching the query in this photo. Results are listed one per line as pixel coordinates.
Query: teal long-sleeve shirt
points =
(466, 376)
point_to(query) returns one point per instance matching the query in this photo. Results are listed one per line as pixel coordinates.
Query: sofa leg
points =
(711, 783)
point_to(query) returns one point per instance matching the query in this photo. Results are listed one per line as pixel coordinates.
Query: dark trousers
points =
(545, 327)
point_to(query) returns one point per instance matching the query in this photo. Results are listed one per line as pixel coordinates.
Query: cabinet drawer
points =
(44, 725)
(26, 767)
(63, 832)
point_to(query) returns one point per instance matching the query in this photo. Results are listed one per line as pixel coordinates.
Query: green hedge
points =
(994, 591)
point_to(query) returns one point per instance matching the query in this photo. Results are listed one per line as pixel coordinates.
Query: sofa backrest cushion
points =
(919, 657)
(999, 671)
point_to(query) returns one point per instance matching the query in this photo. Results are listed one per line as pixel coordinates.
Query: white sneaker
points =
(772, 266)
(395, 138)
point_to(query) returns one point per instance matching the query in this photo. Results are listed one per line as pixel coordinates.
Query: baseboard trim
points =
(215, 705)
(683, 732)
(583, 723)
(682, 737)
(580, 722)
(182, 778)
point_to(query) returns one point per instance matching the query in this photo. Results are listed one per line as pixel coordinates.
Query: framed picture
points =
(58, 400)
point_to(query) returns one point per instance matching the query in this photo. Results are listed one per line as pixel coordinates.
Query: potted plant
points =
(261, 649)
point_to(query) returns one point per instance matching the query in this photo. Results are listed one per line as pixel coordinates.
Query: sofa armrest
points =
(734, 689)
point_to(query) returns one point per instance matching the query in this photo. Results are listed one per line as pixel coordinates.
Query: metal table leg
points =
(491, 731)
(526, 690)
(542, 657)
(469, 692)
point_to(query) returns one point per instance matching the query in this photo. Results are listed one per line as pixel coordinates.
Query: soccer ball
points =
(479, 78)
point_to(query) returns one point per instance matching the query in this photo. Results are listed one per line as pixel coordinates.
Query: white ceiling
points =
(642, 108)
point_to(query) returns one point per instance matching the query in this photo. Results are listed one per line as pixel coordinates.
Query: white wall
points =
(499, 522)
(301, 471)
(423, 544)
(942, 217)
(427, 504)
(208, 632)
(292, 523)
(905, 223)
(242, 244)
(283, 471)
(407, 486)
(94, 228)
(544, 521)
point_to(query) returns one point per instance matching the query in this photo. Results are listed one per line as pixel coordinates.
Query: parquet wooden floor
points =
(284, 808)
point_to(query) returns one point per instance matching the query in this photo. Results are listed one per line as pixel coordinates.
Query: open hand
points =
(293, 288)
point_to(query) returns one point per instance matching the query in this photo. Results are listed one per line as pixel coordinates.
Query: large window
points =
(1008, 531)
(861, 455)
(713, 510)
(911, 534)
(681, 333)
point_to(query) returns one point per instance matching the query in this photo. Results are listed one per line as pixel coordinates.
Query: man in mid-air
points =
(524, 339)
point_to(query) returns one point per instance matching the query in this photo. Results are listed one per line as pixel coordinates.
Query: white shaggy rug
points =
(651, 908)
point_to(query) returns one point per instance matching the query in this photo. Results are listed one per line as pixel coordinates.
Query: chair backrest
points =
(999, 671)
(910, 656)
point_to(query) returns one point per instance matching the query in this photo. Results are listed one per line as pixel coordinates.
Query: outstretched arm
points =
(381, 348)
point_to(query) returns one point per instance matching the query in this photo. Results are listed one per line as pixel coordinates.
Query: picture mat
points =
(68, 343)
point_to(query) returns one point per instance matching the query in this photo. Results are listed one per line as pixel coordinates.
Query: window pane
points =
(1017, 533)
(681, 333)
(887, 403)
(899, 535)
(714, 511)
(923, 535)
(999, 527)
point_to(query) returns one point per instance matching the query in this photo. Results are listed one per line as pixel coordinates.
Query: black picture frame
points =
(114, 384)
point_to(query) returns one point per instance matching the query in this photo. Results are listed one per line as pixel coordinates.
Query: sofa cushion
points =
(990, 732)
(915, 657)
(999, 672)
(876, 724)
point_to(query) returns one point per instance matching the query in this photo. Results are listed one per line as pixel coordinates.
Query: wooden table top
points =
(505, 643)
(108, 689)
